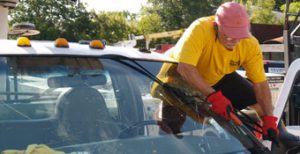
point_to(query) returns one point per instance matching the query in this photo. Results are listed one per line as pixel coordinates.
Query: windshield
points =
(107, 105)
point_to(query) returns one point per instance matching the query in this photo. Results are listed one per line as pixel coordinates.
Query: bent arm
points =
(263, 97)
(191, 75)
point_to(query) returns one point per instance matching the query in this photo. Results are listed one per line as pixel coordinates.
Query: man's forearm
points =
(190, 74)
(263, 97)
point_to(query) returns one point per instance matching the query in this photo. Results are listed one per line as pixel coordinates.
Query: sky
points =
(132, 6)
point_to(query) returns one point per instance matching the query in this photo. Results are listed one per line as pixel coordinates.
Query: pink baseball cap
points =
(233, 20)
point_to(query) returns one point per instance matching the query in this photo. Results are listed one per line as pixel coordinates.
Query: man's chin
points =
(229, 47)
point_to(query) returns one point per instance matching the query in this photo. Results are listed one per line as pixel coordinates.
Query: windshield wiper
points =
(139, 68)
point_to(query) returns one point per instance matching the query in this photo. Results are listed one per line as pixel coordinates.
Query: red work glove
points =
(220, 104)
(270, 131)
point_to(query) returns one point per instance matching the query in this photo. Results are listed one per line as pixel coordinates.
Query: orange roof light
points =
(61, 43)
(23, 42)
(96, 44)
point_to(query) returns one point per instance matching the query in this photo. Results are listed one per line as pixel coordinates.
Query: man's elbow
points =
(261, 85)
(182, 68)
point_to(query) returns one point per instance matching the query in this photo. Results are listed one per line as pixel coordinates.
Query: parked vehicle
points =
(162, 48)
(274, 66)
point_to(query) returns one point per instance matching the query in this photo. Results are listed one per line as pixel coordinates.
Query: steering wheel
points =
(130, 131)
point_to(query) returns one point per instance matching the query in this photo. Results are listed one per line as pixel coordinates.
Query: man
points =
(210, 51)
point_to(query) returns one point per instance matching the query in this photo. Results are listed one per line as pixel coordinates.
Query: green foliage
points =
(55, 19)
(150, 24)
(278, 4)
(62, 18)
(115, 26)
(294, 8)
(261, 11)
(177, 14)
(167, 15)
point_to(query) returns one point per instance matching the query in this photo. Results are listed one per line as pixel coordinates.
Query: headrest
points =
(76, 81)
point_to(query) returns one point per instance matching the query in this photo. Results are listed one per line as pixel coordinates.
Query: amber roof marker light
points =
(23, 42)
(61, 43)
(97, 44)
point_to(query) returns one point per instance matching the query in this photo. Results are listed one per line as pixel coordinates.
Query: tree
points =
(167, 15)
(177, 14)
(261, 11)
(294, 8)
(115, 26)
(278, 4)
(150, 24)
(55, 19)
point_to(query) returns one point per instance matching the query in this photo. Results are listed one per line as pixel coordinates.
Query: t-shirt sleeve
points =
(189, 47)
(254, 63)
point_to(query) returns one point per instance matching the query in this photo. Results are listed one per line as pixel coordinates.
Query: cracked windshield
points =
(146, 76)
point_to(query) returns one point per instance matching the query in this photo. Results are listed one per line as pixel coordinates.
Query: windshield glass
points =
(107, 105)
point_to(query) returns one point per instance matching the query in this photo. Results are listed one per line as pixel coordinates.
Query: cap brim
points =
(236, 32)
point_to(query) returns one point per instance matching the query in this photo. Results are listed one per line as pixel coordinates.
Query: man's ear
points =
(216, 29)
(215, 26)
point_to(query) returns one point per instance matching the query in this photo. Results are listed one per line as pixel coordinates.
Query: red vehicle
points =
(162, 48)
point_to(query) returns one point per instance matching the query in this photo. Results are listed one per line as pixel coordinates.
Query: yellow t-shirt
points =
(200, 47)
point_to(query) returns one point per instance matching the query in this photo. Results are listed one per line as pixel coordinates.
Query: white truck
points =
(129, 69)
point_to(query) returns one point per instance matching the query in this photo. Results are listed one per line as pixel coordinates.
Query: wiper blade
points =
(138, 67)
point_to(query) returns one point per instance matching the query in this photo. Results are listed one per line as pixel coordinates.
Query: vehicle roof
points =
(9, 47)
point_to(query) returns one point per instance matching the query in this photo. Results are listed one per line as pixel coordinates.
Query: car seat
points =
(83, 115)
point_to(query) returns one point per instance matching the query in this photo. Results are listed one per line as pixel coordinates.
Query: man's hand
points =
(220, 104)
(270, 131)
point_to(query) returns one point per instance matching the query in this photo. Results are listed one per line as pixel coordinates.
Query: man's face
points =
(228, 42)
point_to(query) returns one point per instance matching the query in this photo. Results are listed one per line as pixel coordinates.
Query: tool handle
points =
(232, 116)
(235, 119)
